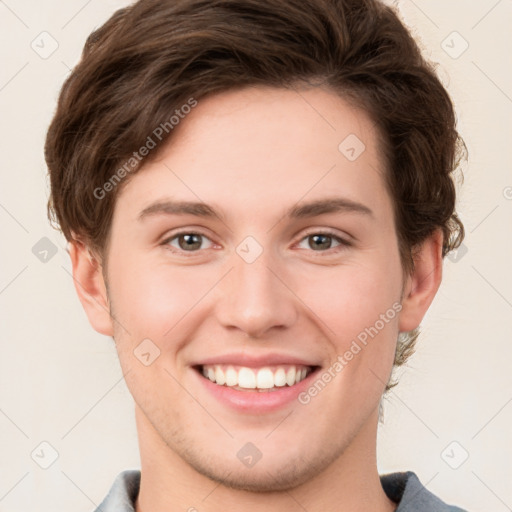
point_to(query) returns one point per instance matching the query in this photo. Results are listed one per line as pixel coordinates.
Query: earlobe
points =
(90, 287)
(422, 284)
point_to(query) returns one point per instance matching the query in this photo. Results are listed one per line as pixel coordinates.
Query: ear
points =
(90, 287)
(421, 285)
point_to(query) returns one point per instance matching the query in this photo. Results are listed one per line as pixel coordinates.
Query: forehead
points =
(259, 148)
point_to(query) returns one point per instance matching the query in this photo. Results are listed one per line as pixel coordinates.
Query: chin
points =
(258, 482)
(266, 476)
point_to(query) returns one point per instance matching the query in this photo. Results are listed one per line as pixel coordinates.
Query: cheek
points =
(152, 298)
(350, 298)
(359, 307)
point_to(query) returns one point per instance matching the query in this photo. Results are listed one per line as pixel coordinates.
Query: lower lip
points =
(254, 401)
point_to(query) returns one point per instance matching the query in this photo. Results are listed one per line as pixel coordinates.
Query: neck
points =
(350, 483)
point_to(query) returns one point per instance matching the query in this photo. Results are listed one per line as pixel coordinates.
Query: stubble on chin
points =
(282, 475)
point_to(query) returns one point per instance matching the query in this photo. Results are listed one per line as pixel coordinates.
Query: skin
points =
(253, 154)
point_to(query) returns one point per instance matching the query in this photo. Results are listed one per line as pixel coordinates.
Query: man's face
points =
(255, 295)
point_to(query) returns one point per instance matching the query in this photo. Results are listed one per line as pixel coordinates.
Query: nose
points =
(255, 299)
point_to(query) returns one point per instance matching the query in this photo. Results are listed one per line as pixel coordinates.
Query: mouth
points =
(262, 380)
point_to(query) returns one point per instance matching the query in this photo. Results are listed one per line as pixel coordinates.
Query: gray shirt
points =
(405, 489)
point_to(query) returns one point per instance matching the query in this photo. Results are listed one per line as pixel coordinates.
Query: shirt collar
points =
(402, 488)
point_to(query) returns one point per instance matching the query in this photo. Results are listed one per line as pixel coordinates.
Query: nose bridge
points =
(253, 299)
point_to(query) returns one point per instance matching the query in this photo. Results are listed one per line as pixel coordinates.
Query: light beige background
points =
(60, 382)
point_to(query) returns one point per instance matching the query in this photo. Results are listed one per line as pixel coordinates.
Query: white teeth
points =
(290, 376)
(219, 376)
(249, 378)
(265, 379)
(231, 377)
(246, 378)
(280, 378)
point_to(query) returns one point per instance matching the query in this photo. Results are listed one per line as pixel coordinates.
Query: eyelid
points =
(175, 234)
(325, 231)
(343, 241)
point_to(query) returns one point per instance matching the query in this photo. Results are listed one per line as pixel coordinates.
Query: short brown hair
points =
(150, 58)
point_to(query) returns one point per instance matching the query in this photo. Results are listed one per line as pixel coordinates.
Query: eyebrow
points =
(305, 210)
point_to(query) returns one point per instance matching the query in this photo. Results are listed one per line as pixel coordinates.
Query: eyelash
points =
(343, 244)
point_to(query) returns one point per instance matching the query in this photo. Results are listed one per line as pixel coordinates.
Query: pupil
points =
(190, 241)
(322, 241)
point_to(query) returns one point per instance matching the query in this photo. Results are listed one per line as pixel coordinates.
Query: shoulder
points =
(411, 495)
(123, 493)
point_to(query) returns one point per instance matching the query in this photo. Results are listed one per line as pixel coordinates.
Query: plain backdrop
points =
(449, 419)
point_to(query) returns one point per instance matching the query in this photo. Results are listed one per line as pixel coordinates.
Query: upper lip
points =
(256, 361)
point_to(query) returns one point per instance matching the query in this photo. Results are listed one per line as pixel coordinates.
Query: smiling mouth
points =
(264, 379)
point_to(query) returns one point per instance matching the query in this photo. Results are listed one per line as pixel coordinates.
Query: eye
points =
(323, 242)
(187, 241)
